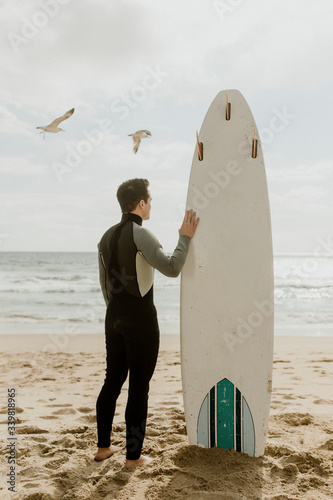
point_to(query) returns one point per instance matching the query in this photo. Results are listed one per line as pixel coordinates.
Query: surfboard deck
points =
(227, 286)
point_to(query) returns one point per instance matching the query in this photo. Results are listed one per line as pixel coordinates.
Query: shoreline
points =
(95, 342)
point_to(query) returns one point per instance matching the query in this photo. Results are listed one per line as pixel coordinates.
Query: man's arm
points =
(153, 252)
(147, 243)
(102, 275)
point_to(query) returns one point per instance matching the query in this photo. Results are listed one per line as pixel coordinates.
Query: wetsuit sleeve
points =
(147, 243)
(102, 275)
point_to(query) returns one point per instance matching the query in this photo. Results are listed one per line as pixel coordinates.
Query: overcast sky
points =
(152, 65)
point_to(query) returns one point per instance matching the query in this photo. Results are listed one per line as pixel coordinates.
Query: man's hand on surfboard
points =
(190, 224)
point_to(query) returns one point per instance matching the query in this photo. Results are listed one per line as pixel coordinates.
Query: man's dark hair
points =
(131, 192)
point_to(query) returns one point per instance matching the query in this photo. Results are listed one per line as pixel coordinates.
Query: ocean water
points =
(60, 293)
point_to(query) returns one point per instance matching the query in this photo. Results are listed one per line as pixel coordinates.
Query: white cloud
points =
(102, 48)
(321, 171)
(89, 55)
(85, 202)
(21, 166)
(11, 124)
(79, 51)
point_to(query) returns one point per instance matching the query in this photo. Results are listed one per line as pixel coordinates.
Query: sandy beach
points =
(56, 380)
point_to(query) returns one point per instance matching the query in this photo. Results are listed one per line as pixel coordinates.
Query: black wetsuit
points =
(128, 253)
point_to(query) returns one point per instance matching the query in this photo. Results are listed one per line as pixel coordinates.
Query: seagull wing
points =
(137, 136)
(136, 140)
(56, 122)
(146, 132)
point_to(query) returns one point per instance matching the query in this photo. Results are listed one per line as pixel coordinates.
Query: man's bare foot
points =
(104, 453)
(139, 462)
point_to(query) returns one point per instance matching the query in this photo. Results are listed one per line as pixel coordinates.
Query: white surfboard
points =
(227, 286)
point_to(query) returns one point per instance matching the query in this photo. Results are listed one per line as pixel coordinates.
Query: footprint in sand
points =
(28, 471)
(153, 432)
(76, 430)
(89, 419)
(23, 452)
(39, 439)
(30, 429)
(286, 473)
(327, 446)
(55, 464)
(5, 410)
(85, 409)
(65, 411)
(178, 415)
(273, 450)
(296, 419)
(119, 427)
(68, 441)
(64, 405)
(306, 462)
(27, 484)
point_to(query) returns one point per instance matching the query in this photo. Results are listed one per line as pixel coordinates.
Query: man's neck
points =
(137, 212)
(134, 216)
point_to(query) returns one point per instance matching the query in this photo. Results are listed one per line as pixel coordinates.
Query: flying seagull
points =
(53, 127)
(137, 136)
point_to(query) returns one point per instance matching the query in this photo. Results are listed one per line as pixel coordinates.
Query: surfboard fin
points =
(254, 145)
(200, 147)
(228, 107)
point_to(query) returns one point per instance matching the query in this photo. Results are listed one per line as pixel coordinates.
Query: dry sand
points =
(56, 389)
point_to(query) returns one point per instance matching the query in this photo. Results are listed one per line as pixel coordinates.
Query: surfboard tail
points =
(225, 420)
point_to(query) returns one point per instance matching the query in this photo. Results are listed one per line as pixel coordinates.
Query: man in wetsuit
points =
(128, 254)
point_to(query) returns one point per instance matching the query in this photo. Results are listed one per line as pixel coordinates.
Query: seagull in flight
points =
(137, 136)
(53, 127)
